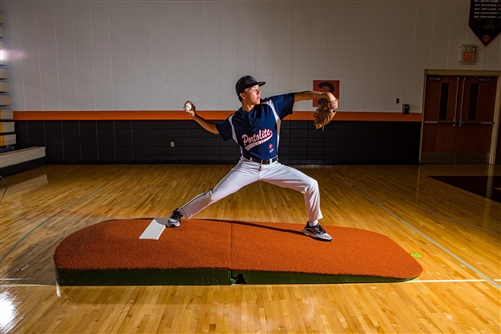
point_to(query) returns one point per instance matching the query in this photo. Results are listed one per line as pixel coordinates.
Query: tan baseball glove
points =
(324, 114)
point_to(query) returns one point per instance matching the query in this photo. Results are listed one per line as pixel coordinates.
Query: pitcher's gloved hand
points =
(324, 113)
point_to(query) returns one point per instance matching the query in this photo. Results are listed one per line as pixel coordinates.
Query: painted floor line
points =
(449, 280)
(490, 280)
(45, 221)
(27, 285)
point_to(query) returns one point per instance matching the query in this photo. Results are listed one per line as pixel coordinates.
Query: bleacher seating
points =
(11, 160)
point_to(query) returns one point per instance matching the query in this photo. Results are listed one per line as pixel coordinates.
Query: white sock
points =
(313, 223)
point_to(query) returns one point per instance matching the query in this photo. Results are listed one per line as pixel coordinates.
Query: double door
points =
(458, 119)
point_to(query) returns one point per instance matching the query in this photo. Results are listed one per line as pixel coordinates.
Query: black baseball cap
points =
(246, 82)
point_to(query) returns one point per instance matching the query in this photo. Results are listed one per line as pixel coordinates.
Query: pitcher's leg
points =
(291, 178)
(312, 200)
(288, 177)
(239, 176)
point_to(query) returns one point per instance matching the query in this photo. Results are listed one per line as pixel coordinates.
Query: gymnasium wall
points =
(125, 59)
(154, 55)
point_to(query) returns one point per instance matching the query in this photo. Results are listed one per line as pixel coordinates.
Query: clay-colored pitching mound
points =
(225, 252)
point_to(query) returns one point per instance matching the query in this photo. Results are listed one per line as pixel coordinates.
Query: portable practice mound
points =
(214, 252)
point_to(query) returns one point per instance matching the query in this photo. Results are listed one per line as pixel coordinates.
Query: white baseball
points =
(187, 107)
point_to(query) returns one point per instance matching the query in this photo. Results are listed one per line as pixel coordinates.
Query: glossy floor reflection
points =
(486, 186)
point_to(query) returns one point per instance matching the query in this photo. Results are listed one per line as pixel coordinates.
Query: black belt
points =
(262, 162)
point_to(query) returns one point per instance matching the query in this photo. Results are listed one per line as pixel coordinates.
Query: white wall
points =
(153, 55)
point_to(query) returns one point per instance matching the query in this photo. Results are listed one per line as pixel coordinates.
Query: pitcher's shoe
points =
(316, 232)
(174, 218)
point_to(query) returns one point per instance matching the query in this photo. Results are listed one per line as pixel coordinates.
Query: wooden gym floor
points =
(457, 233)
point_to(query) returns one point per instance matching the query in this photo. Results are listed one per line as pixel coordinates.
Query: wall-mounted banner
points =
(485, 19)
(325, 86)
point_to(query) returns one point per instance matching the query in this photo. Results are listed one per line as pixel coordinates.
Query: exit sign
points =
(467, 54)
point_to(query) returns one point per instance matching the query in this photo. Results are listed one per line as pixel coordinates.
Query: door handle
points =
(476, 122)
(440, 122)
(458, 82)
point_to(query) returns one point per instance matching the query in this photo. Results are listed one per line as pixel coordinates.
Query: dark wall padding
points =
(123, 141)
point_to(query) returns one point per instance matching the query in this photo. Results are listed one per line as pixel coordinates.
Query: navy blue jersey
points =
(258, 132)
